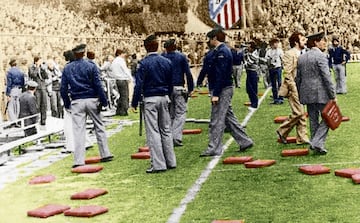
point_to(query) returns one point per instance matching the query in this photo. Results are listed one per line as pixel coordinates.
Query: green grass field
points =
(279, 193)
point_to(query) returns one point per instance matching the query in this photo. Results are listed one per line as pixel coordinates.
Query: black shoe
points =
(171, 167)
(152, 170)
(77, 165)
(178, 143)
(244, 148)
(281, 137)
(320, 151)
(107, 159)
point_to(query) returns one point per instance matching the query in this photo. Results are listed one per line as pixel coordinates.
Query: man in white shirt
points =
(274, 57)
(122, 74)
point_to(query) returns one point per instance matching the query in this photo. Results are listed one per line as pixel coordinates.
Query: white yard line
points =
(195, 188)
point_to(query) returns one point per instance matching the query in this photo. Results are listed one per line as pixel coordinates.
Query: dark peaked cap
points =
(150, 39)
(319, 35)
(169, 43)
(79, 48)
(214, 31)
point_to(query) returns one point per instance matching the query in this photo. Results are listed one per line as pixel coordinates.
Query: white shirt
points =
(275, 57)
(119, 69)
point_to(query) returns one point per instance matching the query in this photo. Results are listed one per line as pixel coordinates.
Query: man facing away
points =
(338, 57)
(179, 95)
(315, 88)
(81, 82)
(288, 89)
(274, 56)
(221, 96)
(154, 84)
(28, 107)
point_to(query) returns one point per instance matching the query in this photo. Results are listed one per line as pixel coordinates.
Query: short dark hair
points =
(151, 46)
(36, 59)
(295, 38)
(118, 52)
(90, 55)
(273, 41)
(311, 42)
(220, 36)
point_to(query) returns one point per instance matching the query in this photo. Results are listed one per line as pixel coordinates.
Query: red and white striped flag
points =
(225, 12)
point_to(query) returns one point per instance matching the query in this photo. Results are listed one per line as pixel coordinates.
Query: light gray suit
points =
(315, 88)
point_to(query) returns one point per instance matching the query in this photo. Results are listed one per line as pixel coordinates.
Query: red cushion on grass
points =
(260, 94)
(345, 119)
(237, 160)
(248, 103)
(91, 160)
(141, 156)
(280, 119)
(295, 152)
(88, 194)
(48, 210)
(227, 221)
(314, 169)
(87, 169)
(144, 149)
(203, 92)
(259, 163)
(86, 211)
(191, 131)
(347, 172)
(42, 179)
(356, 178)
(289, 139)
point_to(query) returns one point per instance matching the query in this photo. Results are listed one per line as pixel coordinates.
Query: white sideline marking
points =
(195, 188)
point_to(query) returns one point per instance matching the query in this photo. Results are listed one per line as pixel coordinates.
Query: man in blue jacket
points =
(154, 84)
(14, 85)
(338, 57)
(221, 95)
(81, 82)
(179, 96)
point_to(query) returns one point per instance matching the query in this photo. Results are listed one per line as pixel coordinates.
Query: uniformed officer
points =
(221, 95)
(154, 83)
(14, 85)
(28, 107)
(238, 60)
(179, 96)
(206, 68)
(81, 82)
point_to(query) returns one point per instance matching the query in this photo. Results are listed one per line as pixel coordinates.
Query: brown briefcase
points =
(332, 115)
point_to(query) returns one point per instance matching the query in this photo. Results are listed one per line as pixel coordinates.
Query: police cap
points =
(214, 32)
(169, 42)
(32, 84)
(150, 39)
(314, 36)
(79, 48)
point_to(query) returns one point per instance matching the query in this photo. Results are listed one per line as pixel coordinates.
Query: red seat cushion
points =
(42, 179)
(237, 160)
(259, 163)
(141, 156)
(314, 169)
(203, 92)
(87, 169)
(144, 149)
(227, 221)
(88, 194)
(48, 210)
(281, 119)
(345, 119)
(191, 131)
(295, 152)
(289, 139)
(347, 172)
(86, 211)
(248, 103)
(356, 178)
(92, 160)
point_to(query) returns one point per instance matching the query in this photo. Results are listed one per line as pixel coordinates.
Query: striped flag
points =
(225, 12)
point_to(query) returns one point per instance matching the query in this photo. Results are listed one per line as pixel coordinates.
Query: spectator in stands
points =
(54, 74)
(238, 60)
(180, 92)
(251, 63)
(122, 74)
(274, 57)
(28, 107)
(81, 83)
(14, 85)
(338, 57)
(315, 88)
(37, 73)
(154, 86)
(222, 114)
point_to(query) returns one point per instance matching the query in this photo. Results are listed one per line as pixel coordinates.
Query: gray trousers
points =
(319, 130)
(14, 104)
(237, 72)
(178, 108)
(41, 100)
(158, 132)
(220, 114)
(340, 78)
(80, 108)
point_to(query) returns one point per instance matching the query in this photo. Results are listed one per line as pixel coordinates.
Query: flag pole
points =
(243, 14)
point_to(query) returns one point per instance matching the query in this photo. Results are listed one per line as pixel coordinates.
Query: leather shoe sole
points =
(151, 170)
(244, 148)
(281, 137)
(107, 159)
(76, 165)
(319, 151)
